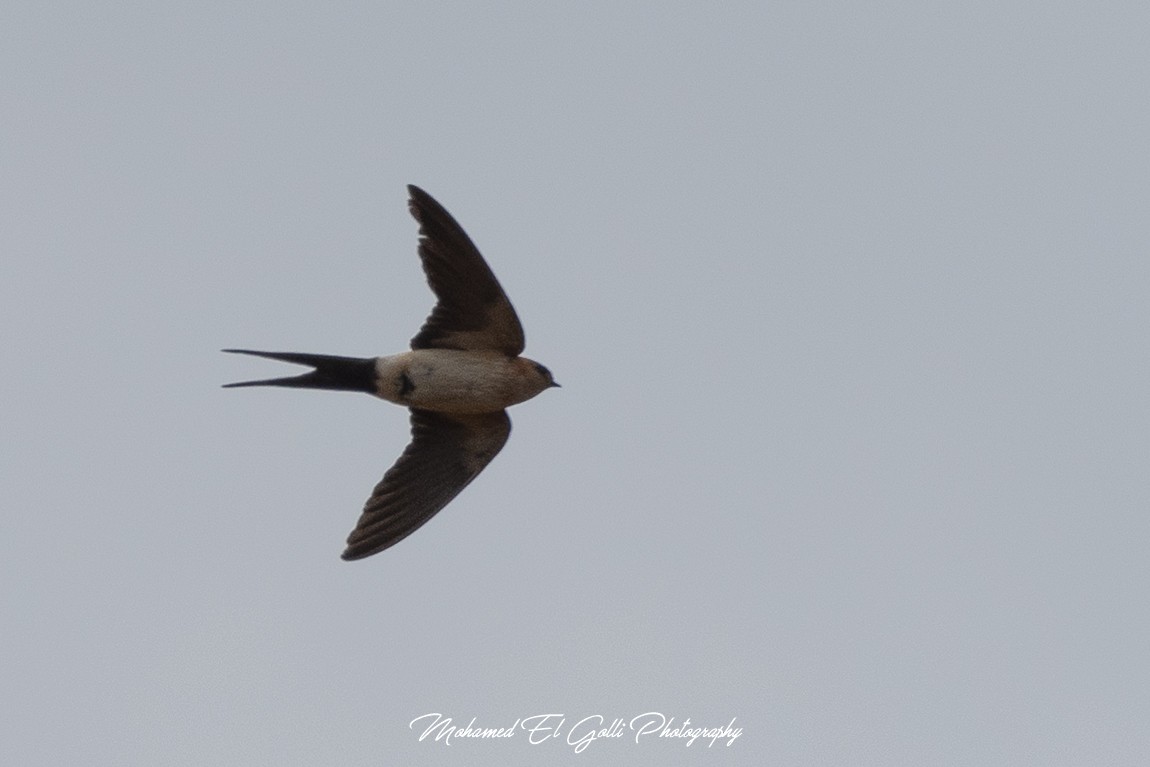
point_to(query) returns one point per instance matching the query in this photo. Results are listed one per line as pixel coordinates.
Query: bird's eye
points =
(543, 371)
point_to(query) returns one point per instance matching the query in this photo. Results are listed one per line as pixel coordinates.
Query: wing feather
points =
(472, 311)
(445, 454)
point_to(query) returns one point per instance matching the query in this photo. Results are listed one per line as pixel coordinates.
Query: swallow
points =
(463, 371)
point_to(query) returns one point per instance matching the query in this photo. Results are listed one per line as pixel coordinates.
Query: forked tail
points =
(340, 373)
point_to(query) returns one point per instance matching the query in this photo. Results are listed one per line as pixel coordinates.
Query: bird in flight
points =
(461, 374)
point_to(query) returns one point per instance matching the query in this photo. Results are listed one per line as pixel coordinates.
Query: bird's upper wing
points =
(472, 312)
(445, 454)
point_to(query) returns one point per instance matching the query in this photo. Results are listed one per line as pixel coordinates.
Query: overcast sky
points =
(849, 305)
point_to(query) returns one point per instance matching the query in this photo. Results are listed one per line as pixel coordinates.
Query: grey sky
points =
(849, 305)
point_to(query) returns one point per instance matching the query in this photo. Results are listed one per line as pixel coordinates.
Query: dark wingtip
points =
(418, 201)
(356, 553)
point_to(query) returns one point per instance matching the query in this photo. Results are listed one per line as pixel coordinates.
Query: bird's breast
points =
(449, 381)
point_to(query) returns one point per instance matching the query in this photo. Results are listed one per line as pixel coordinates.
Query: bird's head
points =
(541, 374)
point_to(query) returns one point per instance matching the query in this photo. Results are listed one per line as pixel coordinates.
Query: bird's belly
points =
(454, 382)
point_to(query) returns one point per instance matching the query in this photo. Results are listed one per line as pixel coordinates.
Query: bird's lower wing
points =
(445, 454)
